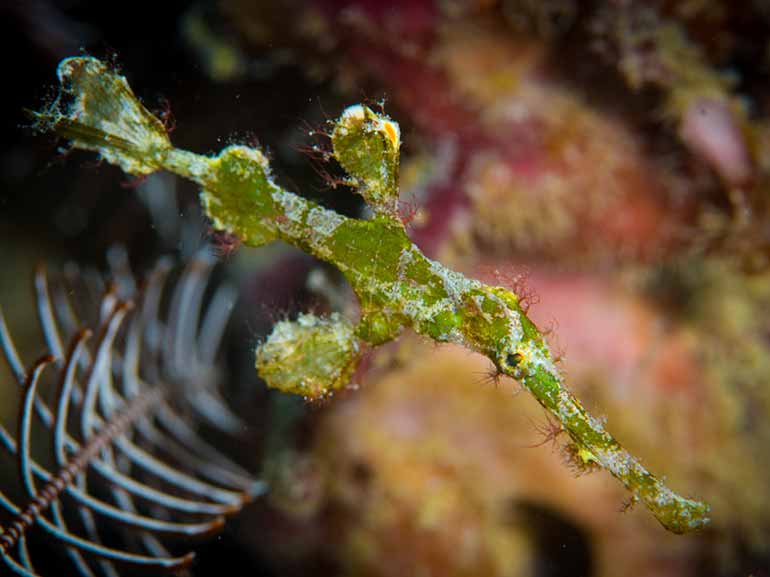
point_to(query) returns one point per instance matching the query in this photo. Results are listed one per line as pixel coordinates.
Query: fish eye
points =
(514, 359)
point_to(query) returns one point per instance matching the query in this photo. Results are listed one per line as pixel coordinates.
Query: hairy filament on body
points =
(396, 284)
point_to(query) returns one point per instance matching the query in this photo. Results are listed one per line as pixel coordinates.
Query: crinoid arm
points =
(114, 402)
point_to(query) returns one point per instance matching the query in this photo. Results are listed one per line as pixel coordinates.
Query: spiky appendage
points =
(396, 284)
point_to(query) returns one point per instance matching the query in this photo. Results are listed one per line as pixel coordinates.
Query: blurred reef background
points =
(609, 159)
